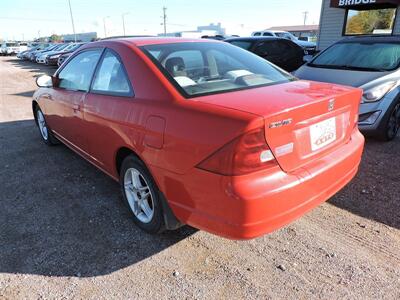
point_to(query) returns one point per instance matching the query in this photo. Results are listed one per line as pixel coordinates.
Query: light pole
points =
(123, 21)
(104, 23)
(72, 19)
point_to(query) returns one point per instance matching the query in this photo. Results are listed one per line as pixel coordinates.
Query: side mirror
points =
(45, 81)
(307, 58)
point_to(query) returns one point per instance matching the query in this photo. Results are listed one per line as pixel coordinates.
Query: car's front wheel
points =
(45, 132)
(141, 195)
(392, 124)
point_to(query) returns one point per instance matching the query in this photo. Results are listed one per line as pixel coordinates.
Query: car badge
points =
(280, 123)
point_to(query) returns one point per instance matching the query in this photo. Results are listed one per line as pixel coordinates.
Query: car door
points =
(271, 51)
(64, 110)
(108, 107)
(292, 55)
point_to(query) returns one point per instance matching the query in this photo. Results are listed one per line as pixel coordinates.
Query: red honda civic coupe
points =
(201, 132)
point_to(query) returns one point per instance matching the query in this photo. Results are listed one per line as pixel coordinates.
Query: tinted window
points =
(242, 44)
(77, 74)
(257, 34)
(111, 77)
(375, 56)
(267, 34)
(269, 48)
(213, 67)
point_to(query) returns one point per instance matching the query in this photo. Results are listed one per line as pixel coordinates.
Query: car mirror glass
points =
(44, 81)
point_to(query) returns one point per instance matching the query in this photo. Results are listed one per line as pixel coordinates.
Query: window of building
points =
(373, 21)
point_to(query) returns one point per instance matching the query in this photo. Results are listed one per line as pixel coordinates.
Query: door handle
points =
(76, 107)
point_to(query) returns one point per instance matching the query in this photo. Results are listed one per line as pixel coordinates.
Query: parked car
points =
(27, 53)
(9, 48)
(52, 59)
(34, 54)
(281, 52)
(41, 58)
(63, 58)
(371, 63)
(31, 54)
(310, 47)
(202, 132)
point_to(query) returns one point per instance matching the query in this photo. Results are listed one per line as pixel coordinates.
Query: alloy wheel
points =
(42, 125)
(139, 195)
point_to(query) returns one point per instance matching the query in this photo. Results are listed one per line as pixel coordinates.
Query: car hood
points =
(344, 77)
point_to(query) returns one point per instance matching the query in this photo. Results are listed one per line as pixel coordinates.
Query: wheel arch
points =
(171, 221)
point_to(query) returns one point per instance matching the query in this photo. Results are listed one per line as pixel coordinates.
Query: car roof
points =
(254, 38)
(144, 41)
(372, 39)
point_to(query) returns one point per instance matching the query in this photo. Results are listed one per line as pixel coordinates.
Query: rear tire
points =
(141, 195)
(45, 131)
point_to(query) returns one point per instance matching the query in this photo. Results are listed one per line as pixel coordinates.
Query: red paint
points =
(176, 137)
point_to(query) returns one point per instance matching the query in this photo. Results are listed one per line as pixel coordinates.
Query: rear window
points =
(368, 56)
(242, 44)
(197, 69)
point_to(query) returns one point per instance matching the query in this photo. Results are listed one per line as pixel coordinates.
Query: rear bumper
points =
(245, 207)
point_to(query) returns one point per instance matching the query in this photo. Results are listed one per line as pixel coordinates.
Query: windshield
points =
(360, 56)
(209, 68)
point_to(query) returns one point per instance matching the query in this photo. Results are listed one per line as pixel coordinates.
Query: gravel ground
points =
(66, 234)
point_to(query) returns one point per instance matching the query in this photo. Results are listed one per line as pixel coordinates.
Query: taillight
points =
(246, 154)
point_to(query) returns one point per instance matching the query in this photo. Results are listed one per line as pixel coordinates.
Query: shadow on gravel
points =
(27, 94)
(32, 66)
(60, 216)
(375, 192)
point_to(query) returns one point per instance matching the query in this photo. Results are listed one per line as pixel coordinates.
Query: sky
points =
(28, 19)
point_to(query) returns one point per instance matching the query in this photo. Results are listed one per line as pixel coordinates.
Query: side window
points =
(269, 48)
(267, 34)
(110, 77)
(257, 34)
(287, 46)
(77, 74)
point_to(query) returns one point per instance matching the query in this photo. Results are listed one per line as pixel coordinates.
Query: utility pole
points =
(305, 13)
(123, 21)
(104, 24)
(165, 20)
(72, 19)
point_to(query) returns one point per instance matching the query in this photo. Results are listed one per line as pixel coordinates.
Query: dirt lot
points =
(64, 232)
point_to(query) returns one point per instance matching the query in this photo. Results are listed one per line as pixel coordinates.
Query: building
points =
(217, 28)
(341, 18)
(80, 37)
(301, 31)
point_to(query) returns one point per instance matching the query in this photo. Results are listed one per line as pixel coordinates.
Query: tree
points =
(55, 38)
(365, 22)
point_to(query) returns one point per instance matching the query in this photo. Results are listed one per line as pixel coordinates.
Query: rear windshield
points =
(360, 56)
(242, 44)
(209, 68)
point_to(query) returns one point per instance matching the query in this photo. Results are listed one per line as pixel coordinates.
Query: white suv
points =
(11, 48)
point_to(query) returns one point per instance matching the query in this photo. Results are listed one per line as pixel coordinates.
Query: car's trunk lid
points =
(303, 120)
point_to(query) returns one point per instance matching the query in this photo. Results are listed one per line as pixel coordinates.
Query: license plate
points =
(322, 133)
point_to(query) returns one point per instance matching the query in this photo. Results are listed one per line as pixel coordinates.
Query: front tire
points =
(141, 195)
(392, 124)
(45, 132)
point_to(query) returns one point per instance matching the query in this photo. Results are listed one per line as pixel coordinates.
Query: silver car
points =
(371, 63)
